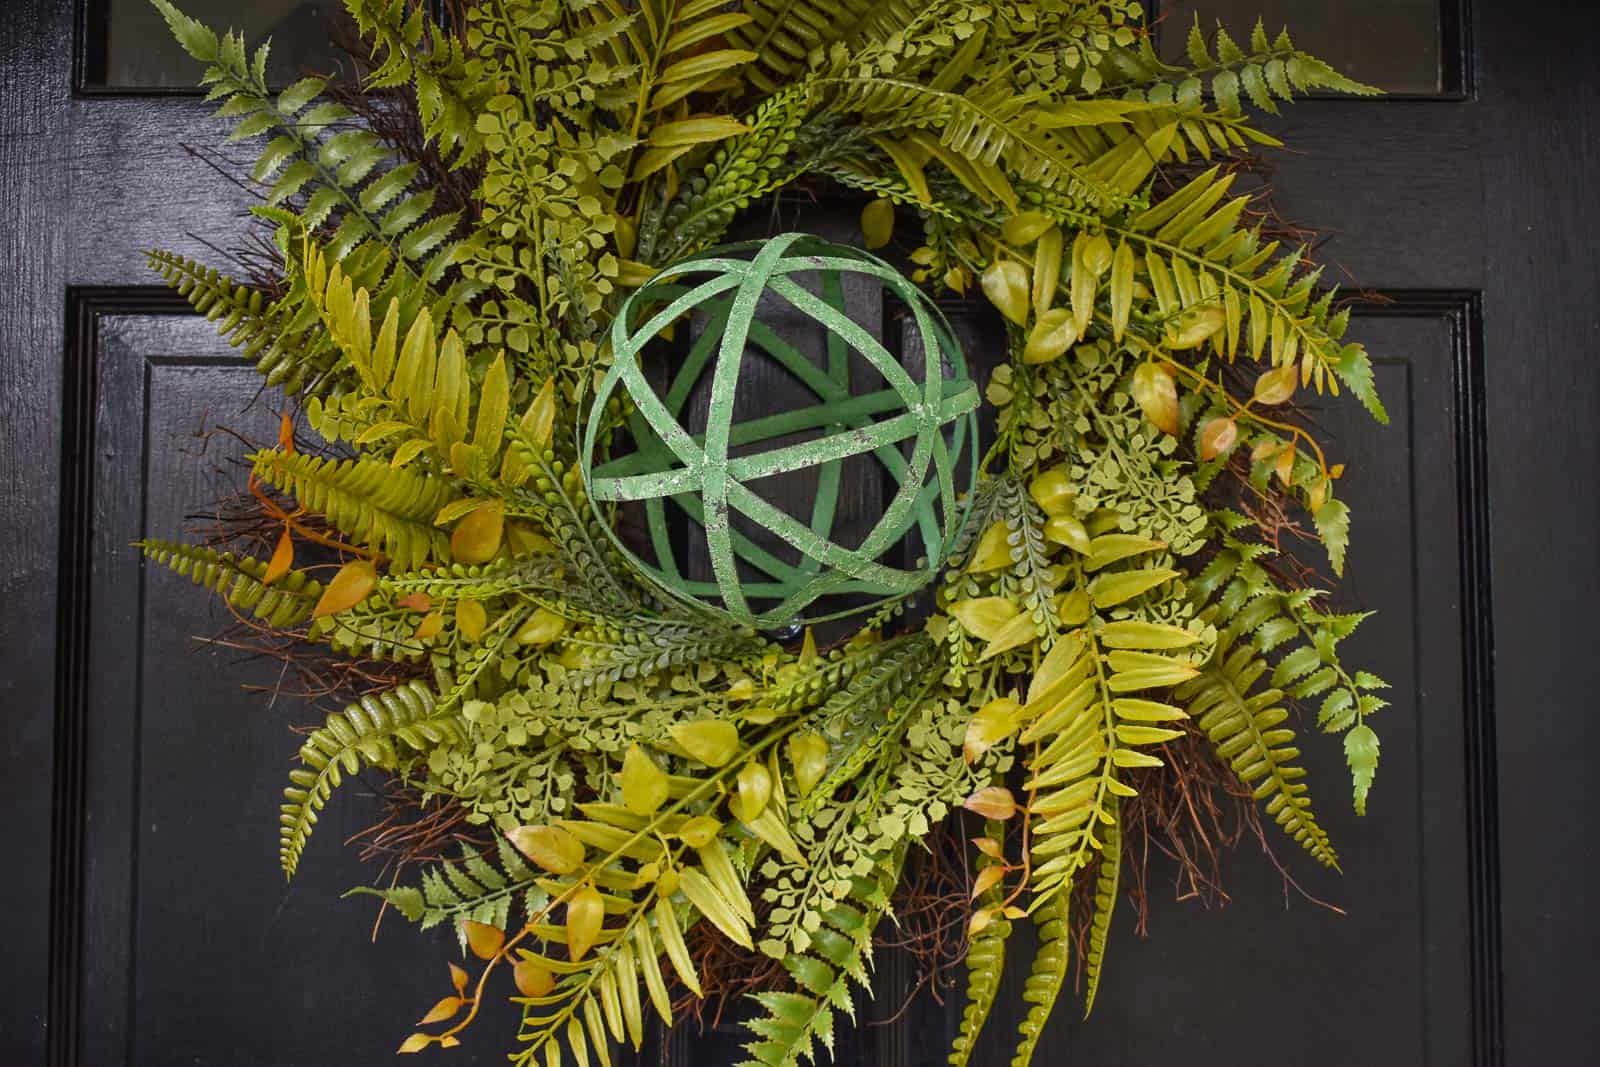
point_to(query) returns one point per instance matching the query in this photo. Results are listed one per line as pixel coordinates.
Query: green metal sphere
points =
(919, 426)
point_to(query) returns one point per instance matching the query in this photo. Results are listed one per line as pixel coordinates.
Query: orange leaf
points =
(988, 846)
(532, 979)
(1276, 386)
(551, 847)
(992, 802)
(986, 880)
(447, 1008)
(1217, 436)
(459, 978)
(415, 1043)
(282, 558)
(352, 585)
(1157, 395)
(476, 537)
(471, 618)
(430, 626)
(415, 602)
(1317, 495)
(585, 912)
(286, 433)
(484, 940)
(1285, 465)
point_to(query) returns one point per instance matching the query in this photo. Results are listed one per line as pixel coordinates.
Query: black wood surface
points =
(146, 922)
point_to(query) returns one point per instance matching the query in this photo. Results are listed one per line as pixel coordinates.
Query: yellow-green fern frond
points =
(1046, 975)
(391, 510)
(368, 732)
(241, 580)
(1247, 728)
(1107, 875)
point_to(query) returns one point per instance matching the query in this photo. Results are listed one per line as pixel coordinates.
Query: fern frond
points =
(1191, 252)
(472, 887)
(391, 510)
(347, 181)
(641, 646)
(1235, 585)
(1275, 70)
(1046, 975)
(740, 171)
(992, 127)
(986, 961)
(794, 1023)
(1087, 708)
(1105, 904)
(410, 47)
(867, 714)
(783, 33)
(429, 402)
(1247, 728)
(599, 993)
(292, 358)
(241, 581)
(368, 732)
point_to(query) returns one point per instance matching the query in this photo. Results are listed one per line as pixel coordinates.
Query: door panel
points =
(194, 949)
(1271, 969)
(145, 922)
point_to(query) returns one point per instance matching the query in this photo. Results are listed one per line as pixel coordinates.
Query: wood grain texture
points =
(1540, 153)
(34, 71)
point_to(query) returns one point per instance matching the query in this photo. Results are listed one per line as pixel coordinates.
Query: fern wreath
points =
(642, 797)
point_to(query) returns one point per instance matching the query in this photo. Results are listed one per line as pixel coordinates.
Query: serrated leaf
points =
(1361, 753)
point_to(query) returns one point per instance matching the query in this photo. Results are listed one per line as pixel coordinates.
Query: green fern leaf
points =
(391, 510)
(1046, 975)
(1105, 904)
(1247, 728)
(369, 732)
(241, 581)
(985, 960)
